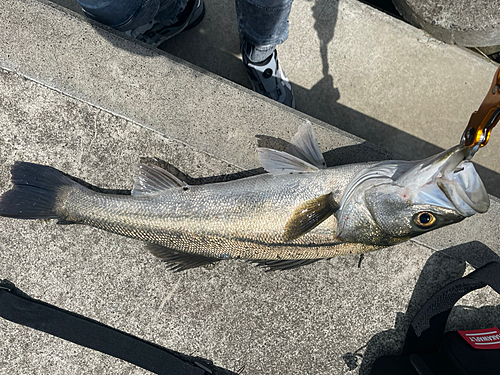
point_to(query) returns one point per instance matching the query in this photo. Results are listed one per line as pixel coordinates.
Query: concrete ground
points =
(83, 99)
(362, 71)
(466, 23)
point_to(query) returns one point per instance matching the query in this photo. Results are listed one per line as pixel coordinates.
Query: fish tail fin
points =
(35, 192)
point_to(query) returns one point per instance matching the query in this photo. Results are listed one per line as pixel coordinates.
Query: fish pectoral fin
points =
(178, 260)
(309, 215)
(281, 162)
(283, 264)
(151, 179)
(304, 146)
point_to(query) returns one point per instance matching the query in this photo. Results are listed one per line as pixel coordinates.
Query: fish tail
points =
(35, 192)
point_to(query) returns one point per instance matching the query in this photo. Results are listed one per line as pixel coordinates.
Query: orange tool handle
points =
(485, 118)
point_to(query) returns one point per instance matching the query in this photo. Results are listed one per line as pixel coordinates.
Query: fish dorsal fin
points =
(304, 146)
(151, 179)
(309, 215)
(301, 156)
(280, 162)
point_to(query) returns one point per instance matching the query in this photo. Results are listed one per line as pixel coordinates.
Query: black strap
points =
(427, 328)
(18, 307)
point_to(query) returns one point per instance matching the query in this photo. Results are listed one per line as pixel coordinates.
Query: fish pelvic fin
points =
(179, 261)
(35, 192)
(309, 215)
(151, 179)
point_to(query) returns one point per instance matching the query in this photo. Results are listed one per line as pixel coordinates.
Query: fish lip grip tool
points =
(478, 130)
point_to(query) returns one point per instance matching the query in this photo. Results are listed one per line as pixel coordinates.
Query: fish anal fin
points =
(309, 215)
(151, 179)
(66, 222)
(283, 264)
(178, 260)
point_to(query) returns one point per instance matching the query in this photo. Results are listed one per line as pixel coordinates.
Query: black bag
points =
(428, 351)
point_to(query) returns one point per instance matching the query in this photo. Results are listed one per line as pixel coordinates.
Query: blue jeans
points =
(262, 24)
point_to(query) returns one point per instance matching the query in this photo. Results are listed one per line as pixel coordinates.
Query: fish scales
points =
(234, 219)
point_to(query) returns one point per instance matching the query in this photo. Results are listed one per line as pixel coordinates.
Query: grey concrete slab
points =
(90, 103)
(359, 70)
(303, 321)
(466, 23)
(141, 83)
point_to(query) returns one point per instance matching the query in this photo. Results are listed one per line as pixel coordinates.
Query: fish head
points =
(393, 201)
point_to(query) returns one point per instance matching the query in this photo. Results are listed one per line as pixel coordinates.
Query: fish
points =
(299, 212)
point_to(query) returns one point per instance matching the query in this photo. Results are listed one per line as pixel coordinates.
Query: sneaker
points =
(155, 33)
(269, 79)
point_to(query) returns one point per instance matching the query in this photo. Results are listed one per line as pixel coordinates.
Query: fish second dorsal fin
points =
(151, 179)
(304, 146)
(301, 156)
(280, 162)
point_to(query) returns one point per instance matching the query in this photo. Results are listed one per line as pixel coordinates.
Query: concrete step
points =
(365, 72)
(83, 99)
(362, 71)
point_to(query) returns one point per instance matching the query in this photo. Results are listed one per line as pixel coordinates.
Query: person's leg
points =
(263, 24)
(151, 21)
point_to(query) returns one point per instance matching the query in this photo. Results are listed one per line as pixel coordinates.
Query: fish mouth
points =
(448, 180)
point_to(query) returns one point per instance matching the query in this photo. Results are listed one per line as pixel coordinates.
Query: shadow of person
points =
(325, 18)
(325, 89)
(440, 269)
(323, 93)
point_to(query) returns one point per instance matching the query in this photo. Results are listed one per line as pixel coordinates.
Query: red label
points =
(482, 338)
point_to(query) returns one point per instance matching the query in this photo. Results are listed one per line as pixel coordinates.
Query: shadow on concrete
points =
(325, 18)
(339, 156)
(200, 180)
(207, 47)
(385, 6)
(440, 269)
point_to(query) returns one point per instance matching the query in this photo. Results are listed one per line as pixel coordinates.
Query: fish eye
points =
(424, 219)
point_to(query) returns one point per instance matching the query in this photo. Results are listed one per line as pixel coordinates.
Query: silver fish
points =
(296, 214)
